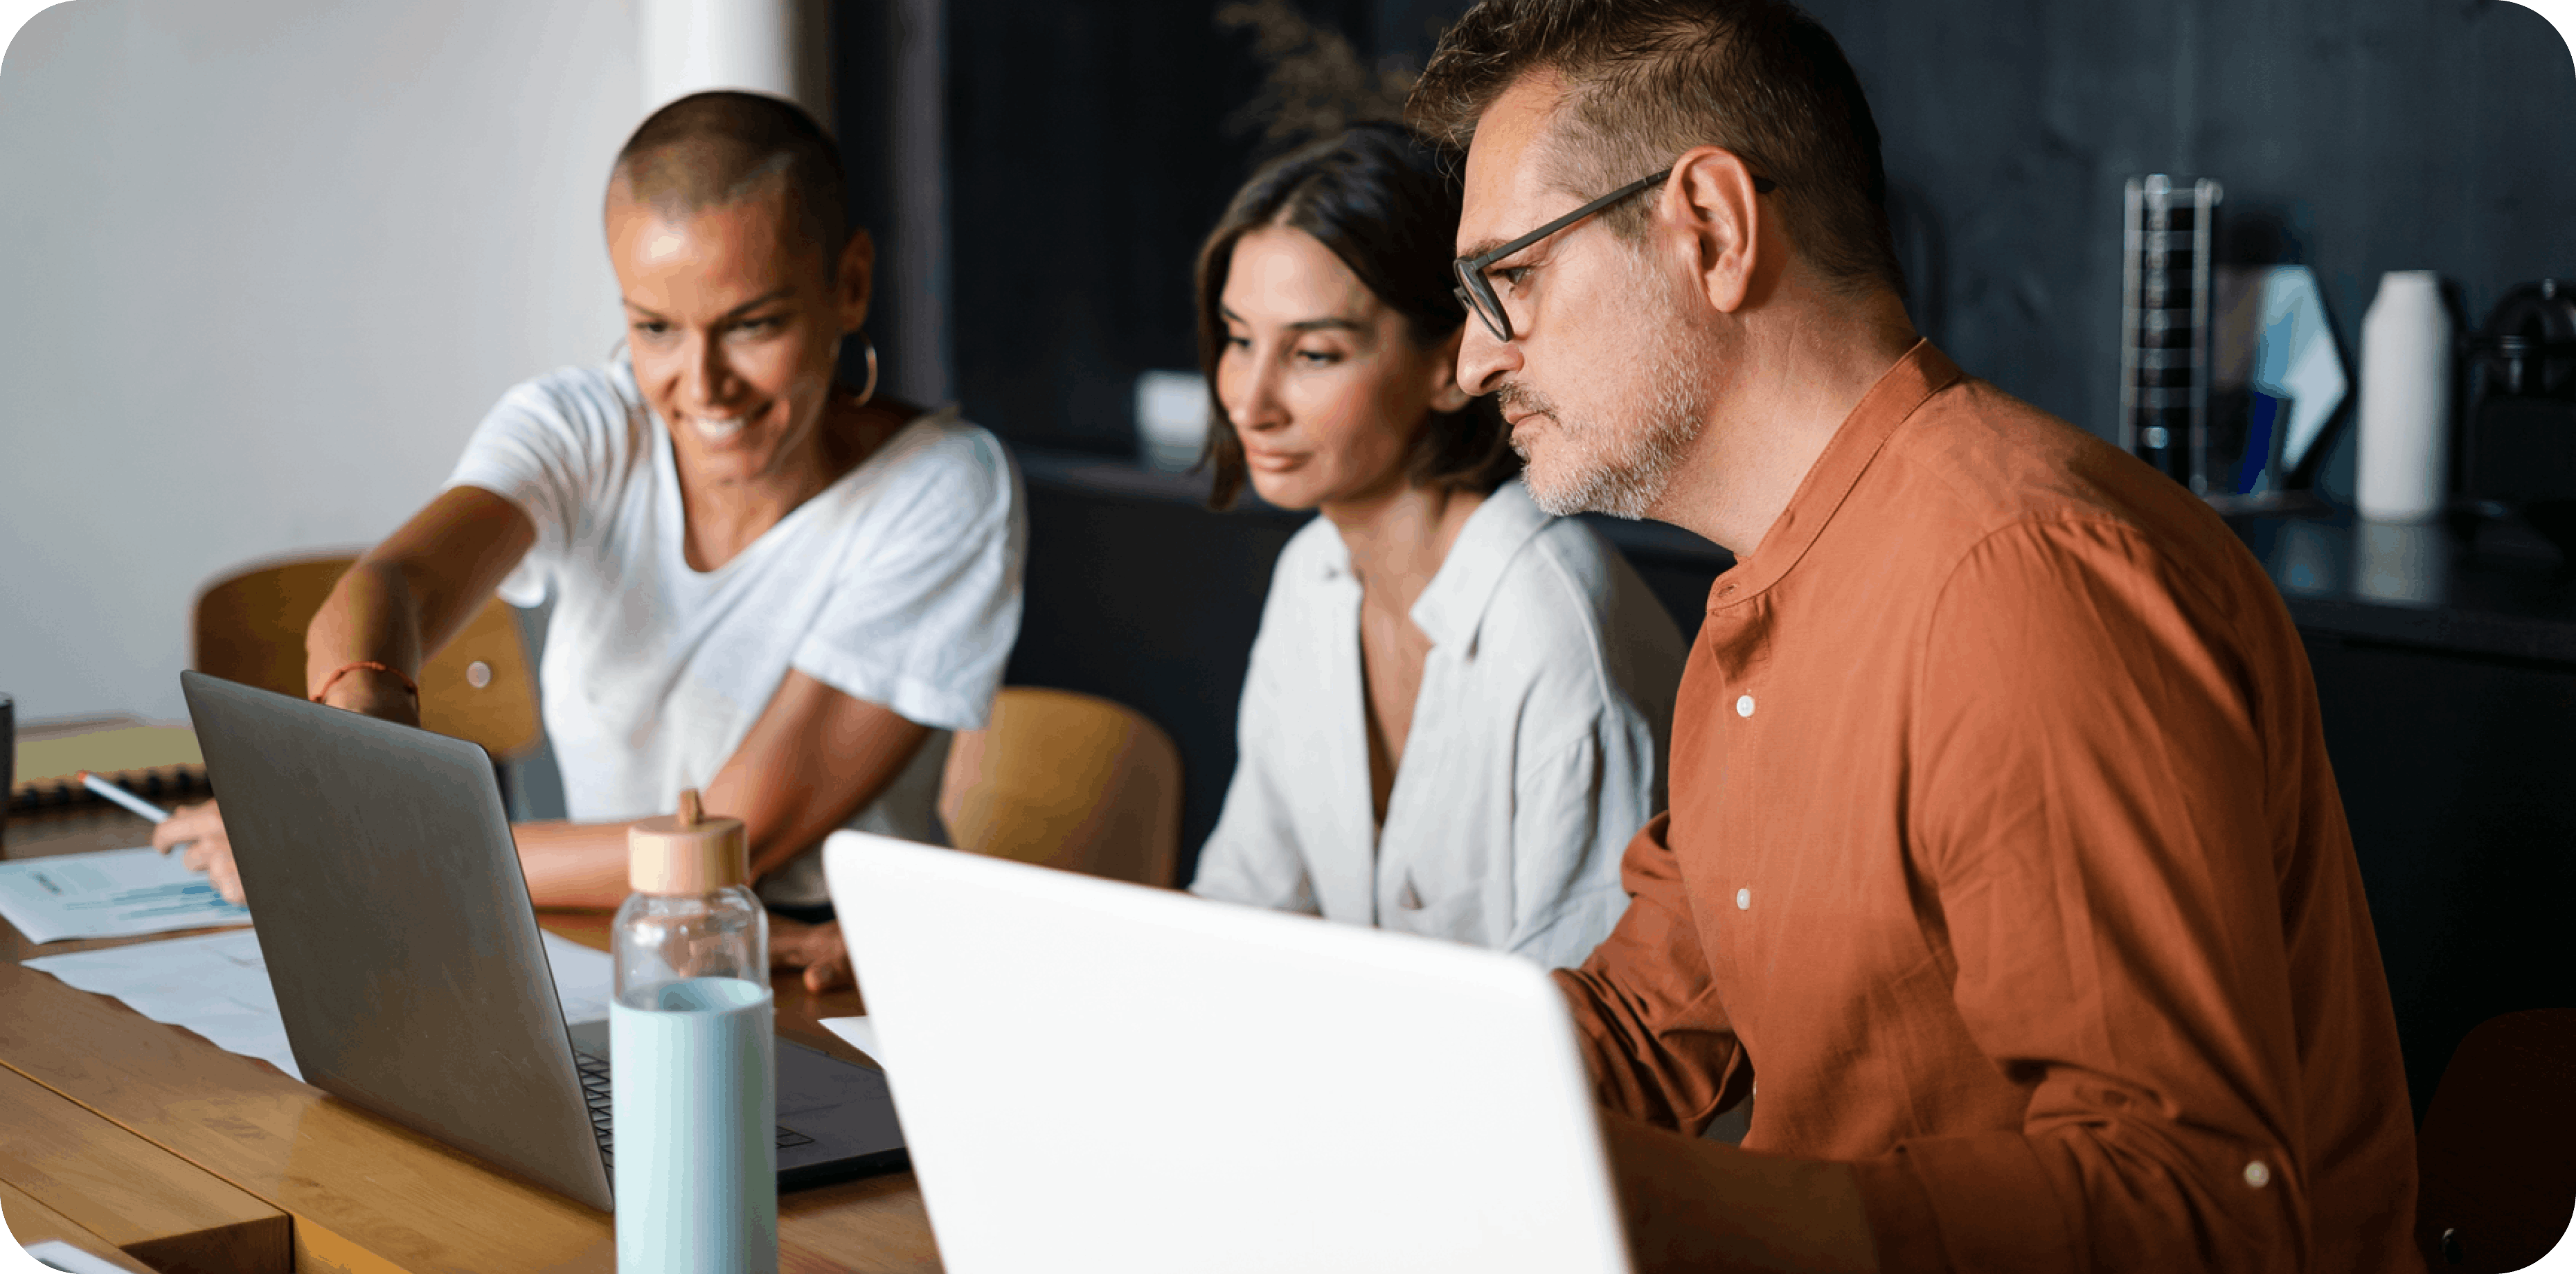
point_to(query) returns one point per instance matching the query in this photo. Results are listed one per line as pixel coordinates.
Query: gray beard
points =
(1622, 472)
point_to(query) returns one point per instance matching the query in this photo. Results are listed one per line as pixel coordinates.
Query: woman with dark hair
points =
(1456, 712)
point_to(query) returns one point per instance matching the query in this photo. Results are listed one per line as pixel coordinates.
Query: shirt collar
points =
(1921, 373)
(1453, 604)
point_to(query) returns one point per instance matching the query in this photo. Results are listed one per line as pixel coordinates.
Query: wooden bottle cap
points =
(687, 853)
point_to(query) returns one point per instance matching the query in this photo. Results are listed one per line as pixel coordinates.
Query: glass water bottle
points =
(694, 1152)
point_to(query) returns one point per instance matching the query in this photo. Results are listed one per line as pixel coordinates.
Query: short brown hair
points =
(714, 149)
(1650, 79)
(1380, 200)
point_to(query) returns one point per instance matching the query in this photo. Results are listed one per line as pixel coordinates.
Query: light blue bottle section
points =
(695, 1146)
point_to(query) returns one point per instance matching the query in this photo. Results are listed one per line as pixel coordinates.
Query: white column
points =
(779, 47)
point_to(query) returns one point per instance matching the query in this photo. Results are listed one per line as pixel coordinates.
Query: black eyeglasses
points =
(1476, 292)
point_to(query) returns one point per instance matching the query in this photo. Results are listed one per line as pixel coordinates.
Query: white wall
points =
(263, 266)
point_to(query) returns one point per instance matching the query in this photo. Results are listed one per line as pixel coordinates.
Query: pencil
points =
(125, 798)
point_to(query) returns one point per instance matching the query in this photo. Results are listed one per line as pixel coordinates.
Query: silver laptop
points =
(1103, 1076)
(395, 924)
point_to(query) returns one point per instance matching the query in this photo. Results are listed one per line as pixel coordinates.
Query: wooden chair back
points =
(2497, 1183)
(1070, 781)
(249, 627)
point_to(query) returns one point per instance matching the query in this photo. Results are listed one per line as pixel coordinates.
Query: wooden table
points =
(143, 1141)
(31, 1223)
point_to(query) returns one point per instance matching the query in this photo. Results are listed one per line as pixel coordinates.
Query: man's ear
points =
(1446, 394)
(855, 281)
(1713, 203)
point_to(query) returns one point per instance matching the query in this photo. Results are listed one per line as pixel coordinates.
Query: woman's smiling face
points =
(733, 324)
(1321, 381)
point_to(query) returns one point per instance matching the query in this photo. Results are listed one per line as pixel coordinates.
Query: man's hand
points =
(1705, 1205)
(816, 949)
(201, 829)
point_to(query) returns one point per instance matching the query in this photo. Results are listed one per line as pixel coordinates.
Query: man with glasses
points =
(2003, 846)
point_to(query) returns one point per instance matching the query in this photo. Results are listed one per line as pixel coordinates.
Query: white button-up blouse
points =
(1536, 750)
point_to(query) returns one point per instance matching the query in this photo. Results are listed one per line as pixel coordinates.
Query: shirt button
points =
(1744, 902)
(2257, 1174)
(1744, 705)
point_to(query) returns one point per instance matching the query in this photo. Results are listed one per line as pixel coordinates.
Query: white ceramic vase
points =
(2405, 399)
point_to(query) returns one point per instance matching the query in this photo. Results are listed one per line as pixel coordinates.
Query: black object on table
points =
(2520, 446)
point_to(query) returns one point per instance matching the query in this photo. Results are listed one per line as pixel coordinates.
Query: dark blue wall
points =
(1088, 155)
(2357, 136)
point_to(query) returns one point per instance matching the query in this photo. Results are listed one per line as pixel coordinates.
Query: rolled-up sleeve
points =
(2092, 816)
(1646, 1012)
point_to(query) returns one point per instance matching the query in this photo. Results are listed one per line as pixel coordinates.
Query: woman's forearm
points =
(813, 758)
(573, 864)
(584, 864)
(370, 616)
(409, 595)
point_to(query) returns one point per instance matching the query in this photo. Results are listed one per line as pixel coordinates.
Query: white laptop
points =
(1100, 1076)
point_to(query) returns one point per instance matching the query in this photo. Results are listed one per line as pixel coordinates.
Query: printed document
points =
(117, 894)
(217, 986)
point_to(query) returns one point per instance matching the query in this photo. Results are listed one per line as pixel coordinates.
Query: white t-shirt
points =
(1535, 754)
(898, 584)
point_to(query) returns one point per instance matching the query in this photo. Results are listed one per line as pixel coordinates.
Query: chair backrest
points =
(249, 627)
(1070, 781)
(2497, 1184)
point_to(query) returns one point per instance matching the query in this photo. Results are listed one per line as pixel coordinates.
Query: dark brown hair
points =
(714, 149)
(1381, 201)
(1650, 79)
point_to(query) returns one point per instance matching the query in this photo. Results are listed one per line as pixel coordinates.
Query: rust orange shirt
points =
(2004, 851)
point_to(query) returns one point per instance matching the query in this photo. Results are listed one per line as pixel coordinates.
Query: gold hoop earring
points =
(871, 390)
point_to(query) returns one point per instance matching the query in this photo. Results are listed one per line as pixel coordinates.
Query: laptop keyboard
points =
(594, 1093)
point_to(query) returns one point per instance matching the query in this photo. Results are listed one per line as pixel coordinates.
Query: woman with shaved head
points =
(766, 583)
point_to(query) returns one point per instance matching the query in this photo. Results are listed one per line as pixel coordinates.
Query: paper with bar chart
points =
(116, 894)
